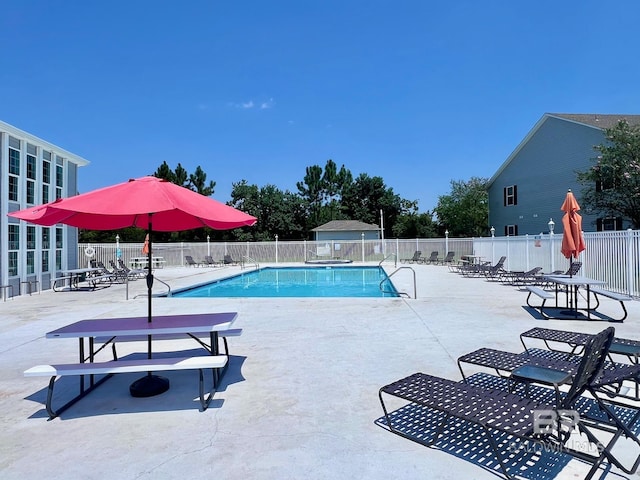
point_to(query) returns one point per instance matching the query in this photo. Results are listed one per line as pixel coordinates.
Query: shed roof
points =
(345, 226)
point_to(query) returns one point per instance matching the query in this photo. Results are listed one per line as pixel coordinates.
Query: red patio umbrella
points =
(572, 238)
(147, 202)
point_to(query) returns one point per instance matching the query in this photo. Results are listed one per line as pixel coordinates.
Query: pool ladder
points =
(415, 291)
(247, 259)
(155, 279)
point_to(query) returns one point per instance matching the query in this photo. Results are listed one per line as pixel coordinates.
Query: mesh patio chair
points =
(433, 258)
(497, 413)
(414, 259)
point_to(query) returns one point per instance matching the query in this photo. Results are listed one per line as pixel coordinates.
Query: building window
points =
(13, 247)
(511, 230)
(46, 245)
(510, 195)
(31, 247)
(31, 167)
(13, 264)
(31, 258)
(58, 259)
(14, 168)
(31, 192)
(31, 174)
(13, 188)
(59, 237)
(59, 181)
(46, 175)
(31, 238)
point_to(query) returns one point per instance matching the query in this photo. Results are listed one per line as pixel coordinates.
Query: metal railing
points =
(246, 259)
(415, 291)
(395, 261)
(610, 256)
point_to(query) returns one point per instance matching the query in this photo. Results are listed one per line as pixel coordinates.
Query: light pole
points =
(493, 246)
(446, 242)
(118, 252)
(551, 225)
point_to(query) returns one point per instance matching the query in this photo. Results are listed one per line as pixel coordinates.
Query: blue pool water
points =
(298, 282)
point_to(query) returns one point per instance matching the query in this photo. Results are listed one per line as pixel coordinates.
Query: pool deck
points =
(300, 399)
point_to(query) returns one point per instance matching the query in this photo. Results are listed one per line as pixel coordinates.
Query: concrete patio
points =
(300, 398)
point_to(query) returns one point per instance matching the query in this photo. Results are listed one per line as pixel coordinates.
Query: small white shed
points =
(346, 230)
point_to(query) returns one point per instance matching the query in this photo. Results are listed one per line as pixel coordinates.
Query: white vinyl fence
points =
(610, 256)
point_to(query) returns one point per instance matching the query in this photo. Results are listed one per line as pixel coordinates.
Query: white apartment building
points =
(32, 172)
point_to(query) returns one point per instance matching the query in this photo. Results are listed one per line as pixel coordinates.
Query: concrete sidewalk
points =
(300, 399)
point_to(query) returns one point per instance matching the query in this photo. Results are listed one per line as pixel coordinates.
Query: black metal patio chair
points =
(498, 412)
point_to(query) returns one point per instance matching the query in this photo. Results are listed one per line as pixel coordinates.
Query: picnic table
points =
(73, 276)
(142, 262)
(567, 288)
(108, 330)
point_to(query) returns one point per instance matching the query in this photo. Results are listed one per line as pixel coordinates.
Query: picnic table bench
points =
(200, 363)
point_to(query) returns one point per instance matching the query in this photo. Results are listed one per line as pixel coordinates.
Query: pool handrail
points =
(415, 291)
(395, 262)
(247, 259)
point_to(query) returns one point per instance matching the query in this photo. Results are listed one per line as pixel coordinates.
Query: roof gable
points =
(590, 120)
(345, 226)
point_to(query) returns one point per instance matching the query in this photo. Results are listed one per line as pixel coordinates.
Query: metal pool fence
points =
(610, 256)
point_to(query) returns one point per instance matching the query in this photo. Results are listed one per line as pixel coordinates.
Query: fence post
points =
(630, 263)
(276, 248)
(362, 241)
(553, 263)
(526, 251)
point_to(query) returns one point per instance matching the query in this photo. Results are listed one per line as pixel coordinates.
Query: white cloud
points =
(250, 104)
(268, 104)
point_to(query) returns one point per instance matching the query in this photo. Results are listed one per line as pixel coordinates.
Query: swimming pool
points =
(298, 282)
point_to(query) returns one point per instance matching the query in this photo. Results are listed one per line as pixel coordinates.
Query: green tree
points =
(611, 187)
(164, 171)
(278, 212)
(367, 196)
(198, 183)
(334, 184)
(465, 211)
(415, 225)
(311, 190)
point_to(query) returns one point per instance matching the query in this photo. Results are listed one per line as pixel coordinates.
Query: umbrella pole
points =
(149, 385)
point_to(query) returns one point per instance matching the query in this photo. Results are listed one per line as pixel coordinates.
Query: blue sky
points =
(417, 92)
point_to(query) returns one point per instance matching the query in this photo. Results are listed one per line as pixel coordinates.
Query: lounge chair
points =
(414, 259)
(496, 271)
(500, 413)
(610, 380)
(208, 260)
(573, 270)
(191, 262)
(433, 258)
(132, 273)
(516, 278)
(228, 260)
(448, 259)
(112, 275)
